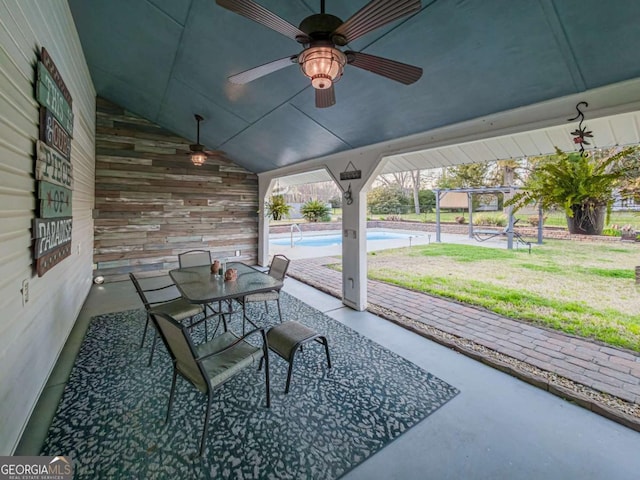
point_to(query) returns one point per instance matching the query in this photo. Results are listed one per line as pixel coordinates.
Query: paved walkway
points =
(608, 370)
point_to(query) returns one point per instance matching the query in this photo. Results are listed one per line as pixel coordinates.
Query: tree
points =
(315, 210)
(464, 176)
(416, 191)
(408, 182)
(387, 199)
(503, 172)
(277, 207)
(583, 186)
(427, 199)
(630, 185)
(322, 191)
(401, 180)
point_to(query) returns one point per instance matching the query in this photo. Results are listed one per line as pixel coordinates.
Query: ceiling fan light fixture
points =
(323, 65)
(198, 158)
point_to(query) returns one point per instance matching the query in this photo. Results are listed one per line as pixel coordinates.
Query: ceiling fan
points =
(197, 151)
(321, 34)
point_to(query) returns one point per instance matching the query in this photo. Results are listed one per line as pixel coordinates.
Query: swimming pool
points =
(336, 239)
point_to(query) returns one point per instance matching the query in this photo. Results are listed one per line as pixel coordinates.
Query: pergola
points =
(470, 191)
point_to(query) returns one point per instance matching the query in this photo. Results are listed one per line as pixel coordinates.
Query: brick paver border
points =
(486, 336)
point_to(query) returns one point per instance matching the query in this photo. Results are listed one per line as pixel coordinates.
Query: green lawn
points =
(554, 219)
(580, 288)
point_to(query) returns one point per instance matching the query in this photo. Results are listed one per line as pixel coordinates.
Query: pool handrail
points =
(293, 243)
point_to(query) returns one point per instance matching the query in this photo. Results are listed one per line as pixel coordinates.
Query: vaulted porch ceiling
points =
(168, 59)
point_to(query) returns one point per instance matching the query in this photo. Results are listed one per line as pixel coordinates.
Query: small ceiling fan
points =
(321, 34)
(198, 153)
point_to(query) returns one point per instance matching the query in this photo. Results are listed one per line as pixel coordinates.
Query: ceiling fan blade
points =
(375, 14)
(400, 72)
(259, 14)
(325, 97)
(257, 72)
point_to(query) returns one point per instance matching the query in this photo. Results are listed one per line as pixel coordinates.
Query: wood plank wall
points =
(151, 203)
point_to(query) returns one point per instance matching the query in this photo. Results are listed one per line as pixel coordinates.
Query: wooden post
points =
(637, 275)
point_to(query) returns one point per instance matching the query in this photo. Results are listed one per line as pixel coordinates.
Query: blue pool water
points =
(328, 240)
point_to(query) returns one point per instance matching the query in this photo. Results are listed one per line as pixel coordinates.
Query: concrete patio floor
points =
(498, 427)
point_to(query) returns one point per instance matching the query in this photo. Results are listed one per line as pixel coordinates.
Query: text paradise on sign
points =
(50, 234)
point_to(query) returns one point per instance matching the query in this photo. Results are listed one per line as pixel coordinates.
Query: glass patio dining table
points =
(199, 285)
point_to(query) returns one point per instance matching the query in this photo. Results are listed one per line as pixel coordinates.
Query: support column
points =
(265, 186)
(470, 207)
(510, 229)
(540, 225)
(438, 216)
(354, 223)
(354, 251)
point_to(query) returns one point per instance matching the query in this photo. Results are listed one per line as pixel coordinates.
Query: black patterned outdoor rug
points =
(111, 416)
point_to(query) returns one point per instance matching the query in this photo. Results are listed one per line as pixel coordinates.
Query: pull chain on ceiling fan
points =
(321, 34)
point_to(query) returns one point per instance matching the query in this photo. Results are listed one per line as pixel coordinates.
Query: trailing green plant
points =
(315, 210)
(582, 186)
(277, 208)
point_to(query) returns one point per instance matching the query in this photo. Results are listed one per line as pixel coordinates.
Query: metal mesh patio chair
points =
(198, 258)
(209, 365)
(194, 258)
(154, 300)
(278, 270)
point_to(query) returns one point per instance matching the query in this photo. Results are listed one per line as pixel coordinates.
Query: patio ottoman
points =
(287, 338)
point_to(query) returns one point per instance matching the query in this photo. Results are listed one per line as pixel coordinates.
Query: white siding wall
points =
(31, 336)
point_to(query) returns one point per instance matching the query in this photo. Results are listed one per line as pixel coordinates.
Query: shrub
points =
(387, 199)
(315, 210)
(611, 232)
(427, 200)
(277, 207)
(497, 220)
(534, 219)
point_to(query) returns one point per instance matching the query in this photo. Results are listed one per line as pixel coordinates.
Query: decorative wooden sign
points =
(55, 75)
(52, 133)
(350, 174)
(49, 95)
(55, 201)
(50, 235)
(46, 263)
(53, 167)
